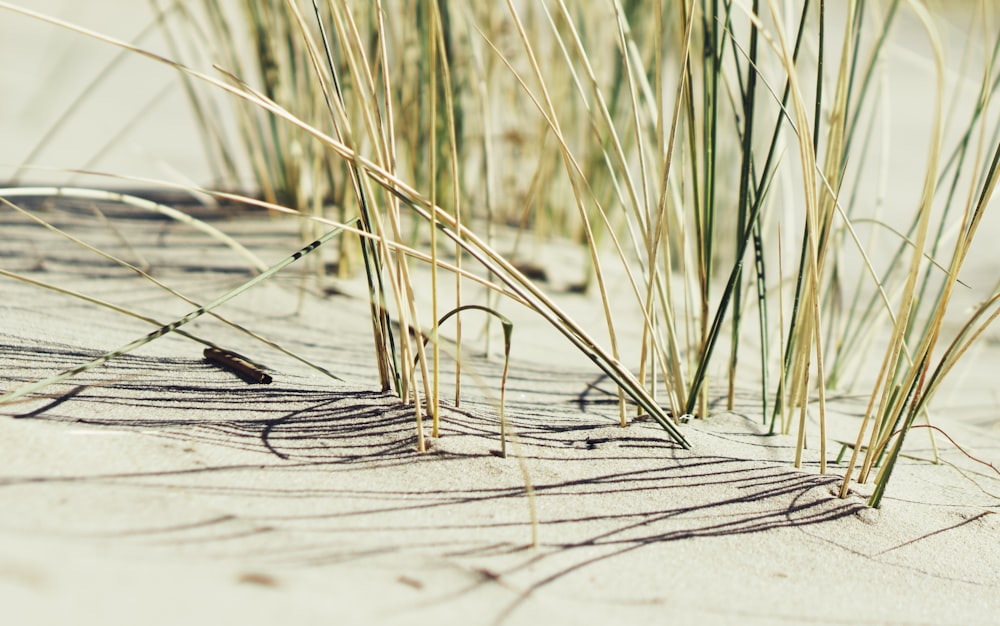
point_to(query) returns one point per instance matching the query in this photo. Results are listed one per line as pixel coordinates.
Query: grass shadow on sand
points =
(289, 476)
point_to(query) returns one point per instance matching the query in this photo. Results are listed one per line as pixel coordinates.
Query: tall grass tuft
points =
(690, 148)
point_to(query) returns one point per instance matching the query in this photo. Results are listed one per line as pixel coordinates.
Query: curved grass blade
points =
(508, 330)
(139, 203)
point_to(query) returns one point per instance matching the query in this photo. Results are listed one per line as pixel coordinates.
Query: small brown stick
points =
(238, 365)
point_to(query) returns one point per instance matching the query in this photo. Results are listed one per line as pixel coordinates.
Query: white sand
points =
(168, 491)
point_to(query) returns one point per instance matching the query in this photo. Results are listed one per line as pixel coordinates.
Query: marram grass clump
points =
(716, 158)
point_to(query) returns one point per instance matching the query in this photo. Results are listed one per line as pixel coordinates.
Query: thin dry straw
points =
(577, 178)
(98, 302)
(20, 392)
(537, 301)
(91, 88)
(154, 322)
(161, 285)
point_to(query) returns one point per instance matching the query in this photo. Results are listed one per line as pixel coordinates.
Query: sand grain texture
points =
(161, 489)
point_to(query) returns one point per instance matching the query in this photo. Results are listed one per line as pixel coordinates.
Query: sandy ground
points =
(161, 489)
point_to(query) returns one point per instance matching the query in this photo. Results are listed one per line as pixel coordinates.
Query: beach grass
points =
(715, 162)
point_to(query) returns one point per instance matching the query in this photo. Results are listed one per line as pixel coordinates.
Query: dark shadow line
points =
(936, 532)
(746, 525)
(51, 405)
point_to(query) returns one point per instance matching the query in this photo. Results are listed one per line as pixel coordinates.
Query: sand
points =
(161, 489)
